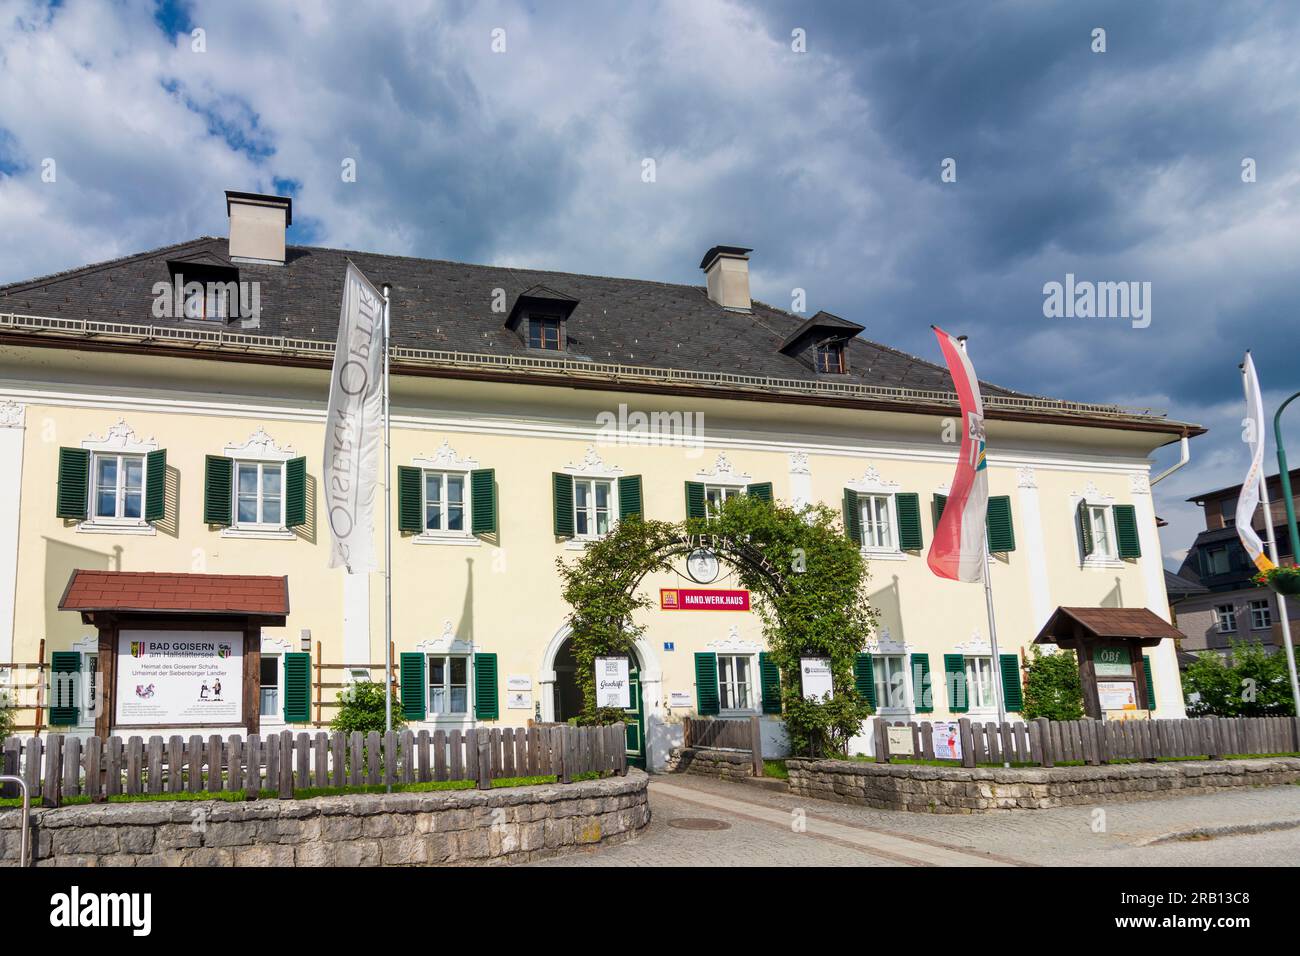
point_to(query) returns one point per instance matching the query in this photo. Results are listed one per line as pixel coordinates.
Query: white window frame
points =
(890, 543)
(883, 674)
(1101, 516)
(592, 511)
(259, 525)
(445, 461)
(117, 518)
(119, 440)
(1261, 610)
(725, 492)
(1225, 613)
(278, 710)
(750, 683)
(444, 474)
(212, 297)
(980, 698)
(454, 716)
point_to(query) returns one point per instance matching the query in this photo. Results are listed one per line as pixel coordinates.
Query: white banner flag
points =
(1253, 434)
(354, 426)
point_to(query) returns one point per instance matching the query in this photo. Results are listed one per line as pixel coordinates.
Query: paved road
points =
(770, 828)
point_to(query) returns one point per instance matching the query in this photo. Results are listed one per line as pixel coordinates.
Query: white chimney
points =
(727, 270)
(257, 226)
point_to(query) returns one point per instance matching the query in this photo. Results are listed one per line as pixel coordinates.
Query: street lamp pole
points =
(1285, 475)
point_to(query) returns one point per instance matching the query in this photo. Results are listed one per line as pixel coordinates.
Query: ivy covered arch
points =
(808, 581)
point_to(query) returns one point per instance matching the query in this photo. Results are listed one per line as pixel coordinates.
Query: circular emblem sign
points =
(702, 566)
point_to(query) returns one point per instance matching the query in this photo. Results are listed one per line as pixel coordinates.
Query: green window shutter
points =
(1151, 687)
(629, 497)
(410, 499)
(1002, 535)
(562, 501)
(852, 517)
(908, 506)
(218, 475)
(412, 683)
(486, 706)
(74, 483)
(936, 507)
(297, 688)
(922, 689)
(483, 501)
(295, 492)
(1011, 685)
(155, 485)
(864, 678)
(65, 676)
(762, 491)
(769, 676)
(954, 672)
(694, 499)
(1126, 531)
(706, 683)
(1083, 528)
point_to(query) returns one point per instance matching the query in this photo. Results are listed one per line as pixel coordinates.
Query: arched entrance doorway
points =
(566, 699)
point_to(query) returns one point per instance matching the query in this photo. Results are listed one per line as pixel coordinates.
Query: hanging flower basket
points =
(1284, 580)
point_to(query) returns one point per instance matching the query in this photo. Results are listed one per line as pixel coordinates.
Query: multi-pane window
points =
(877, 529)
(1103, 538)
(448, 684)
(119, 486)
(544, 332)
(1261, 615)
(207, 303)
(1228, 509)
(1217, 561)
(715, 496)
(592, 498)
(891, 681)
(979, 683)
(269, 686)
(259, 493)
(1227, 618)
(830, 357)
(444, 501)
(734, 681)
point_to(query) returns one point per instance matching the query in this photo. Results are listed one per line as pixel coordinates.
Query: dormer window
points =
(206, 302)
(546, 332)
(830, 358)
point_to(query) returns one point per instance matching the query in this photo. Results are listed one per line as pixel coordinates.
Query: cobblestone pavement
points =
(762, 832)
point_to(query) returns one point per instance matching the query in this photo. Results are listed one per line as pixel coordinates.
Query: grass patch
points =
(306, 793)
(775, 768)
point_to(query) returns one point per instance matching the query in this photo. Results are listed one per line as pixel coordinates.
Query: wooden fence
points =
(56, 767)
(744, 735)
(1045, 743)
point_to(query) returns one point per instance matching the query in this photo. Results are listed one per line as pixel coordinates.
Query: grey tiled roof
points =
(448, 305)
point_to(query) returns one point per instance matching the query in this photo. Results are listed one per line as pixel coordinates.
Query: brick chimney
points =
(726, 269)
(257, 226)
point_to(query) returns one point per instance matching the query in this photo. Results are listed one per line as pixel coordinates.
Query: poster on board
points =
(945, 737)
(613, 687)
(189, 678)
(815, 672)
(1117, 694)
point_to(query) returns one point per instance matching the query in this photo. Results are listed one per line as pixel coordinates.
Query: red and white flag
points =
(958, 548)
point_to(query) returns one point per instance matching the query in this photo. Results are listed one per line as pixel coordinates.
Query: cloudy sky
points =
(1122, 165)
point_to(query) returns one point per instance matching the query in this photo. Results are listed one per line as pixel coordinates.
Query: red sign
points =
(699, 599)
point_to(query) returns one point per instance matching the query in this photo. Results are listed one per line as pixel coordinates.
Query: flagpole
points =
(995, 662)
(388, 543)
(1271, 538)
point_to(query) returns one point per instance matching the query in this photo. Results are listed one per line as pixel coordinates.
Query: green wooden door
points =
(634, 719)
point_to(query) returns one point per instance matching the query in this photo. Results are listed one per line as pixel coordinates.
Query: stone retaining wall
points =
(712, 763)
(400, 829)
(925, 789)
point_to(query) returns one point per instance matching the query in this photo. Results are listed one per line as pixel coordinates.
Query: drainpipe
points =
(1184, 455)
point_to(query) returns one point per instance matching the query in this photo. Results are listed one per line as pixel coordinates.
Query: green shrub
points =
(8, 715)
(361, 708)
(1052, 687)
(1250, 683)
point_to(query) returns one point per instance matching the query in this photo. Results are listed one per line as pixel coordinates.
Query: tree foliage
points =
(361, 707)
(1052, 686)
(807, 580)
(1251, 682)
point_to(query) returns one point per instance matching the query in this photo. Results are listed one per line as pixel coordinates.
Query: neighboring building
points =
(1231, 607)
(138, 441)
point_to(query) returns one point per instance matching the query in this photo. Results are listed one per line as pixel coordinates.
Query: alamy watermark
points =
(208, 301)
(1098, 300)
(624, 427)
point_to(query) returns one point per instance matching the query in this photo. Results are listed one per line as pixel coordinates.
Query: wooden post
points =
(880, 733)
(94, 775)
(252, 690)
(155, 764)
(113, 782)
(284, 785)
(320, 682)
(967, 742)
(482, 743)
(134, 764)
(53, 770)
(1040, 751)
(354, 776)
(338, 745)
(215, 747)
(756, 744)
(390, 758)
(372, 758)
(322, 757)
(253, 767)
(72, 767)
(235, 763)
